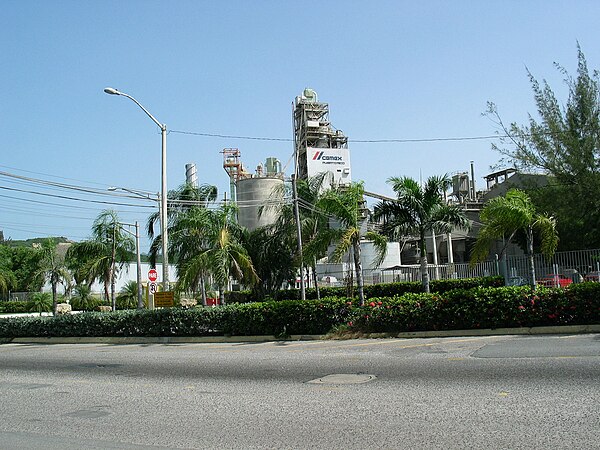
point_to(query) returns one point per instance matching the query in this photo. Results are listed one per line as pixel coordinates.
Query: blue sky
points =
(388, 69)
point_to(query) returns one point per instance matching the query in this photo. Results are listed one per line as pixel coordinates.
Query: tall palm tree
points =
(52, 268)
(312, 221)
(103, 256)
(418, 210)
(505, 216)
(346, 208)
(180, 200)
(208, 241)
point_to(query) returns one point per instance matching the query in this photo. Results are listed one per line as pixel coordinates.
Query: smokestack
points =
(472, 182)
(191, 176)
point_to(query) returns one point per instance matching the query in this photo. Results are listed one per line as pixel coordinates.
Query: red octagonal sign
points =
(152, 275)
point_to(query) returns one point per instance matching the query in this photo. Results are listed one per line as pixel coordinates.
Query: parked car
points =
(593, 276)
(555, 281)
(517, 281)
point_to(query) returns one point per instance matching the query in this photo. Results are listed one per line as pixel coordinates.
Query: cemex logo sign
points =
(321, 156)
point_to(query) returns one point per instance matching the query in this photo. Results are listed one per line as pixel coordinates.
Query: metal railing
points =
(572, 264)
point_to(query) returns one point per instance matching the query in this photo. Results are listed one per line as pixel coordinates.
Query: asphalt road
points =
(506, 392)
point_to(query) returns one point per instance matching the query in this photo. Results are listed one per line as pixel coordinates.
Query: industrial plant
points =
(320, 148)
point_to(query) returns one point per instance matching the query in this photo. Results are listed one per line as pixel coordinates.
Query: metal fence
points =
(573, 264)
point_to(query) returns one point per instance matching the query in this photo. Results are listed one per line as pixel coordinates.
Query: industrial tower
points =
(318, 146)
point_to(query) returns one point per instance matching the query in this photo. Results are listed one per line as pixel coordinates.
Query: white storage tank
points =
(252, 193)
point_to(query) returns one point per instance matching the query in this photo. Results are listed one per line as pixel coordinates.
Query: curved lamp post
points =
(163, 196)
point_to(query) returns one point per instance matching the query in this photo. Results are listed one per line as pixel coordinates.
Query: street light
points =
(163, 196)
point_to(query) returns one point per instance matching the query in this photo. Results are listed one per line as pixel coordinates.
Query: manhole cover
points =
(344, 378)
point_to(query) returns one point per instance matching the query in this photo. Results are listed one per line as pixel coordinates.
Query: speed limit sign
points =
(152, 288)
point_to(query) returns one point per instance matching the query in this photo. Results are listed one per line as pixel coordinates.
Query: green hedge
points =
(375, 290)
(480, 307)
(268, 318)
(15, 307)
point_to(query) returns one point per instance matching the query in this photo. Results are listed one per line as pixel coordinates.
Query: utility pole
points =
(299, 234)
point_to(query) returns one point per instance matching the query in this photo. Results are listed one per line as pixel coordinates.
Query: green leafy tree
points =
(564, 143)
(417, 211)
(347, 209)
(41, 302)
(52, 268)
(103, 256)
(504, 217)
(25, 267)
(8, 280)
(272, 251)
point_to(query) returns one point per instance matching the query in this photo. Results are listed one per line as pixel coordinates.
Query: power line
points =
(73, 198)
(364, 141)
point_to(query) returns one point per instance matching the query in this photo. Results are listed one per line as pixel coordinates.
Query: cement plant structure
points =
(318, 147)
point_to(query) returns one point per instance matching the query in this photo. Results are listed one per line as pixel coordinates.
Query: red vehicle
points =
(555, 281)
(593, 276)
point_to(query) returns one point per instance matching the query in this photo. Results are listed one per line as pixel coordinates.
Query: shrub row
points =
(480, 307)
(15, 307)
(375, 290)
(268, 318)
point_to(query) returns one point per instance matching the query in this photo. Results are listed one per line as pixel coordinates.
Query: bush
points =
(479, 307)
(267, 318)
(375, 290)
(15, 307)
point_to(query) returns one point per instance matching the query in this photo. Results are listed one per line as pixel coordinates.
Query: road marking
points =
(503, 394)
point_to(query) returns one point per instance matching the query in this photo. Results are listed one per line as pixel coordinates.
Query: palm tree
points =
(128, 295)
(505, 216)
(208, 242)
(180, 200)
(41, 302)
(312, 221)
(103, 256)
(419, 210)
(82, 299)
(347, 210)
(53, 269)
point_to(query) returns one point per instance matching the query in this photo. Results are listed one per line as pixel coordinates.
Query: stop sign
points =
(152, 275)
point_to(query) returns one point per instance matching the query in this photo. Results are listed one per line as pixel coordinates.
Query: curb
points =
(141, 340)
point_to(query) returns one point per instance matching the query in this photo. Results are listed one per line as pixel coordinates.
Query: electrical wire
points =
(362, 141)
(74, 198)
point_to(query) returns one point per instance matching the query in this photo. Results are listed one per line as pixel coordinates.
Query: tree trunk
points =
(113, 297)
(530, 255)
(359, 274)
(423, 260)
(203, 290)
(54, 298)
(106, 292)
(221, 295)
(314, 271)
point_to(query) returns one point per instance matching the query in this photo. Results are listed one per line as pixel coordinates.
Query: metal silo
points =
(254, 192)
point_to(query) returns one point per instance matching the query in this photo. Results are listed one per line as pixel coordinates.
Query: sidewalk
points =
(123, 340)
